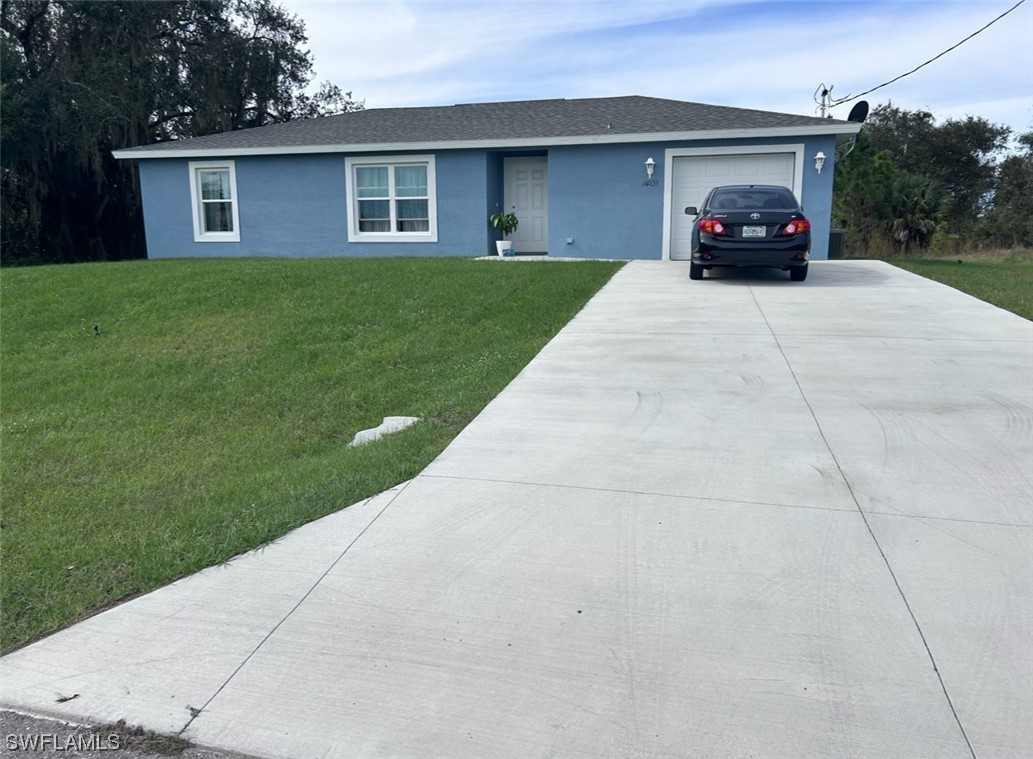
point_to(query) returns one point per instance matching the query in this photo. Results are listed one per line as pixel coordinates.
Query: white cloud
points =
(768, 55)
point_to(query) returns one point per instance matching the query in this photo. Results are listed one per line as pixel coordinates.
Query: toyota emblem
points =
(754, 215)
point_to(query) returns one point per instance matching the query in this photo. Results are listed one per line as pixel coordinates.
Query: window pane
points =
(374, 216)
(215, 185)
(218, 217)
(413, 216)
(411, 181)
(371, 181)
(753, 199)
(412, 209)
(374, 209)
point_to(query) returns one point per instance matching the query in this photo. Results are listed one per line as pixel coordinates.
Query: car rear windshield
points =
(753, 198)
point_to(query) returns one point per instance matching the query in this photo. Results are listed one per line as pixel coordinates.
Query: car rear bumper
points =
(749, 258)
(791, 253)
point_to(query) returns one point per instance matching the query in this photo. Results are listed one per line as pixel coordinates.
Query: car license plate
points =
(754, 231)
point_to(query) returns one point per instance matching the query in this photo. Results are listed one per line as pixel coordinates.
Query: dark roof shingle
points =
(516, 120)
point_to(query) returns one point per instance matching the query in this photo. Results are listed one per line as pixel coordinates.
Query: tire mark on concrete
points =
(1018, 416)
(648, 405)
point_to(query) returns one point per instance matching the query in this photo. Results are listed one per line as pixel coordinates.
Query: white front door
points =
(527, 195)
(694, 176)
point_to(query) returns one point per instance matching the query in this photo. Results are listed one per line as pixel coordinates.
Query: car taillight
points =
(712, 227)
(797, 227)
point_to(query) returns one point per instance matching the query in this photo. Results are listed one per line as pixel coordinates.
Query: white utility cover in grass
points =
(389, 426)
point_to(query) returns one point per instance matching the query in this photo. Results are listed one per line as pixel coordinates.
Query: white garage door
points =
(692, 177)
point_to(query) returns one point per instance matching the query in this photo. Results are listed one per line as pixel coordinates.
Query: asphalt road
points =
(23, 735)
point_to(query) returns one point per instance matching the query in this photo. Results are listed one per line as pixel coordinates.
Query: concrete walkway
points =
(730, 518)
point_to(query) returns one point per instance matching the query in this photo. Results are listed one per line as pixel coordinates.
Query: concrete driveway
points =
(740, 517)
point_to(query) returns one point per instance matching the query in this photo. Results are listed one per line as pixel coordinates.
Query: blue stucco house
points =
(423, 181)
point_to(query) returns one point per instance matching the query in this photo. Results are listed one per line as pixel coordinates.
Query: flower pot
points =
(504, 247)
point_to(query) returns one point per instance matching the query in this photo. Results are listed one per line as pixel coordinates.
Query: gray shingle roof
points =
(519, 120)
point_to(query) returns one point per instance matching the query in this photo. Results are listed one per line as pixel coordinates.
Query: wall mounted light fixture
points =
(650, 165)
(819, 161)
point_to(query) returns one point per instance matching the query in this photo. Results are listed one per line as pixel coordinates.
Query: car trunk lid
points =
(755, 224)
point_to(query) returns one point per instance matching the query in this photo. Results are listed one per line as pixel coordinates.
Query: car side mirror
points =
(691, 211)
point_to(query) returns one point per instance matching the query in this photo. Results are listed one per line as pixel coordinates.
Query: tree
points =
(959, 154)
(910, 178)
(916, 209)
(878, 201)
(80, 79)
(1010, 223)
(860, 201)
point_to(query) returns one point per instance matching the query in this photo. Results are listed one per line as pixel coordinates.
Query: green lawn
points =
(1005, 283)
(160, 417)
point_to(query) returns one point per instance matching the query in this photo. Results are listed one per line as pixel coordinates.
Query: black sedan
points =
(750, 225)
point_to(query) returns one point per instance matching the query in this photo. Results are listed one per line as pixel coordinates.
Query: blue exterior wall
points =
(598, 196)
(493, 195)
(817, 193)
(295, 205)
(168, 225)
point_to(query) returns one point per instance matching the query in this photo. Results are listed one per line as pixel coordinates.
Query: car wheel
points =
(695, 271)
(798, 273)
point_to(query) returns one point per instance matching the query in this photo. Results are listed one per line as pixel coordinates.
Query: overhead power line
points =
(848, 98)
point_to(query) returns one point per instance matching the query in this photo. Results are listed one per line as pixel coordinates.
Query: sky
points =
(765, 54)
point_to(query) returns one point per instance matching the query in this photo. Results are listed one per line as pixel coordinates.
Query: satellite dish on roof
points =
(859, 112)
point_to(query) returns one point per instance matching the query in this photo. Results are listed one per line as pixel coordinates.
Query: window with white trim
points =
(213, 192)
(391, 199)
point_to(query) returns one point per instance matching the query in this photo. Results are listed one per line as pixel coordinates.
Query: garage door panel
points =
(747, 168)
(692, 170)
(717, 170)
(692, 177)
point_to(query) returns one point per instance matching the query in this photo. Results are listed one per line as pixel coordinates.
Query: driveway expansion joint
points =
(929, 518)
(195, 713)
(680, 496)
(871, 532)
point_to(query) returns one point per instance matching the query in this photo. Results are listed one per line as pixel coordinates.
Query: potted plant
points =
(506, 223)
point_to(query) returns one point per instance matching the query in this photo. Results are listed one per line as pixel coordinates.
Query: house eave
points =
(839, 128)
